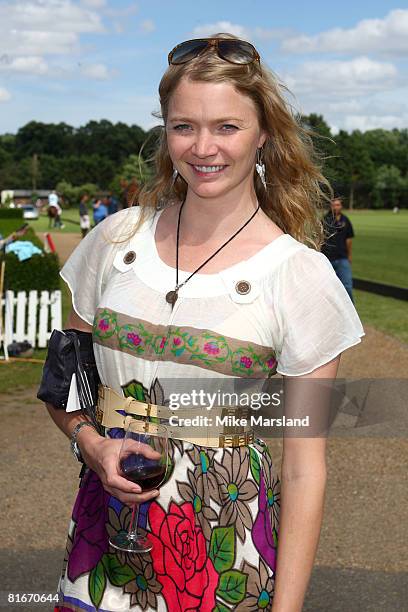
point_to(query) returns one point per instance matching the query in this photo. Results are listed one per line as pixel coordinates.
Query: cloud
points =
(125, 11)
(379, 110)
(147, 26)
(96, 4)
(358, 76)
(221, 26)
(250, 34)
(44, 15)
(345, 106)
(33, 65)
(32, 30)
(372, 122)
(43, 27)
(5, 95)
(97, 72)
(272, 34)
(387, 36)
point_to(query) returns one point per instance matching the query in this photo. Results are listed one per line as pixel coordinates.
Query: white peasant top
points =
(283, 310)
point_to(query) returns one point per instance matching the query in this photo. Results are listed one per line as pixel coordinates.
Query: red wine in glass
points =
(147, 476)
(143, 459)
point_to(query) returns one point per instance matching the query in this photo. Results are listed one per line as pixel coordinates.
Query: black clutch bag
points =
(70, 352)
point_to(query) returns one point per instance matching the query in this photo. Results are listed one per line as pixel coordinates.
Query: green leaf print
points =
(118, 574)
(222, 548)
(135, 390)
(97, 584)
(221, 608)
(255, 465)
(232, 586)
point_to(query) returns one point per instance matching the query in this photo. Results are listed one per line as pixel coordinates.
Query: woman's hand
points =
(102, 456)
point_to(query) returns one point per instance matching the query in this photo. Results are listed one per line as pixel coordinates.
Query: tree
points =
(48, 138)
(389, 186)
(151, 142)
(105, 139)
(323, 143)
(386, 147)
(72, 195)
(353, 165)
(135, 167)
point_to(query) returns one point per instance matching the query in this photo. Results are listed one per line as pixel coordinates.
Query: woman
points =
(217, 286)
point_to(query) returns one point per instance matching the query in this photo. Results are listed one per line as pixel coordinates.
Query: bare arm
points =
(349, 242)
(302, 499)
(100, 454)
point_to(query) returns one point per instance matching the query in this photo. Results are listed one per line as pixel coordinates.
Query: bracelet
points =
(74, 444)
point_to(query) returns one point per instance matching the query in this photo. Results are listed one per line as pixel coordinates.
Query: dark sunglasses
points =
(231, 50)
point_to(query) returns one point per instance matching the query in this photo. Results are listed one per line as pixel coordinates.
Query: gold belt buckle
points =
(236, 439)
(98, 414)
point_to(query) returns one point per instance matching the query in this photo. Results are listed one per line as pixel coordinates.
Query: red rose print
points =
(134, 339)
(211, 348)
(180, 559)
(246, 362)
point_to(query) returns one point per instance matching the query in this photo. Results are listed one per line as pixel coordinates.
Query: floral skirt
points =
(213, 528)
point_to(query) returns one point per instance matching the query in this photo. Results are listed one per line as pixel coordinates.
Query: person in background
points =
(12, 237)
(112, 204)
(100, 211)
(337, 248)
(54, 209)
(84, 221)
(123, 193)
(129, 191)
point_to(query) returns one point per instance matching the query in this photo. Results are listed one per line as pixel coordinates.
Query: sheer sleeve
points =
(315, 316)
(85, 270)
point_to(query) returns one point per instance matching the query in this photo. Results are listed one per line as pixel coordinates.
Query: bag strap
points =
(84, 391)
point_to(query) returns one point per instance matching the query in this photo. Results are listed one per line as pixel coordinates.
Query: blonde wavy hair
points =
(296, 187)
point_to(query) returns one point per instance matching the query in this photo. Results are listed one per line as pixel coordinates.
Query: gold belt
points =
(110, 403)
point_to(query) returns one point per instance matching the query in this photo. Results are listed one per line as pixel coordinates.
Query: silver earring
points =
(175, 174)
(260, 167)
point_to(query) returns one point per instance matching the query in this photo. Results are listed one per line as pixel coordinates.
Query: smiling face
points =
(212, 135)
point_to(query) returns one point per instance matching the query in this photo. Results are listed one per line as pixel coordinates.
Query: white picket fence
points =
(30, 317)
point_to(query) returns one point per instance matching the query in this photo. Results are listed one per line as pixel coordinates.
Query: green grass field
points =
(380, 246)
(70, 219)
(379, 254)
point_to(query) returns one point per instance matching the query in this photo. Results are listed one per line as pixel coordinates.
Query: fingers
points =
(135, 498)
(116, 481)
(126, 491)
(139, 448)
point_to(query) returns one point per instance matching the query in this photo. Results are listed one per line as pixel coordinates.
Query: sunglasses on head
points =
(229, 49)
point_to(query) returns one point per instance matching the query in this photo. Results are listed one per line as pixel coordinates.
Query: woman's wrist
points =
(88, 439)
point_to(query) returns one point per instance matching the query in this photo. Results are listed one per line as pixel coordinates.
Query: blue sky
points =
(76, 60)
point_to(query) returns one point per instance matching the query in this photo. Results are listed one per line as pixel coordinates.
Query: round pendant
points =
(171, 297)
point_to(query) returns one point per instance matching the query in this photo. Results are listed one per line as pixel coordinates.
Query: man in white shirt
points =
(54, 209)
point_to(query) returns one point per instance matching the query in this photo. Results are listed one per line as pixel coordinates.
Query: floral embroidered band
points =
(188, 345)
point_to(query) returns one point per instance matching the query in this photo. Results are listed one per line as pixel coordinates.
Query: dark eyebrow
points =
(221, 120)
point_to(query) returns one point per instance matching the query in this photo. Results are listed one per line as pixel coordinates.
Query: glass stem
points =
(132, 533)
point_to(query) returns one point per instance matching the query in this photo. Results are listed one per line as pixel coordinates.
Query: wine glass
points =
(143, 459)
